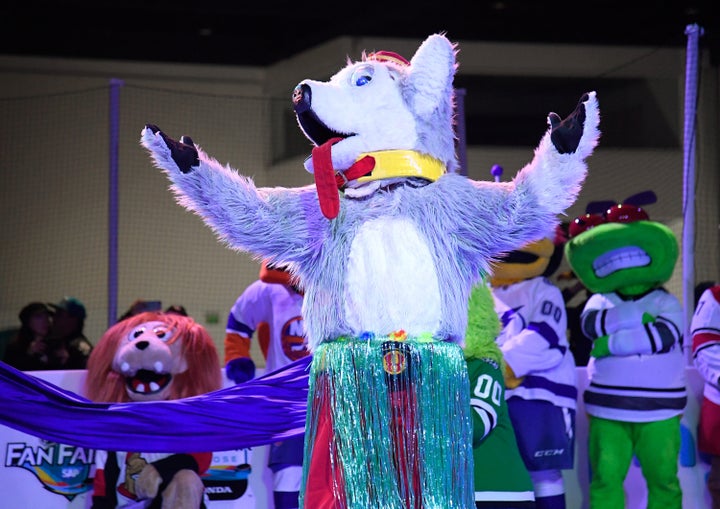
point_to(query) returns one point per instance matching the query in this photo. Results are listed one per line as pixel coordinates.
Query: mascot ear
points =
(432, 69)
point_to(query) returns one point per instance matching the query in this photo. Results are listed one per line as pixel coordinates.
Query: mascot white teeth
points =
(388, 245)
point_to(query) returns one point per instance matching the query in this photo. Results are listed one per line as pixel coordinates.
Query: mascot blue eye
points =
(362, 75)
(136, 333)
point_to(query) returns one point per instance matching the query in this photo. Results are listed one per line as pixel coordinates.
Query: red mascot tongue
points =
(328, 181)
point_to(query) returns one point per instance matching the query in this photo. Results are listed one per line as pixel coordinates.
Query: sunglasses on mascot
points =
(597, 213)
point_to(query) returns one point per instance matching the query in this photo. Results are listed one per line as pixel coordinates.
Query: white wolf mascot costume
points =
(387, 265)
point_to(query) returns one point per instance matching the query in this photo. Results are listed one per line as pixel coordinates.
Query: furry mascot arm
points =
(240, 214)
(542, 189)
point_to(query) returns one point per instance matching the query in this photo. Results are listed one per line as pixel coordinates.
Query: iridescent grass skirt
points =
(388, 426)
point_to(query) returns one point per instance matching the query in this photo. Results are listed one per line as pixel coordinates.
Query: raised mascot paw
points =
(240, 370)
(565, 134)
(183, 152)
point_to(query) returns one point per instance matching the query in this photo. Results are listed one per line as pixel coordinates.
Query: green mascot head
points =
(616, 248)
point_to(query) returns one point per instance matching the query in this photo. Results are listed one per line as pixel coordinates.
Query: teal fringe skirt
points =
(388, 426)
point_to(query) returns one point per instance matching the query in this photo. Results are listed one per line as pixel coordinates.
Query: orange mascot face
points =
(153, 356)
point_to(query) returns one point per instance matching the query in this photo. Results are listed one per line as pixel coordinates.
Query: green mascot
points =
(637, 388)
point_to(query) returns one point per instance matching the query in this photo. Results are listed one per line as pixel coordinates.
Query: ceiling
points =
(263, 32)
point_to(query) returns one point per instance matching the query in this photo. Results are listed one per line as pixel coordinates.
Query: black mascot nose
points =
(302, 98)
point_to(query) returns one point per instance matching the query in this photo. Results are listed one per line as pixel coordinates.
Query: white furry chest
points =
(391, 282)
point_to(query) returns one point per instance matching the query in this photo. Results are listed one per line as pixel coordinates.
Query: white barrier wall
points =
(34, 473)
(39, 474)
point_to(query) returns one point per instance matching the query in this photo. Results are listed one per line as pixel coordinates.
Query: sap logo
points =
(218, 490)
(71, 473)
(549, 452)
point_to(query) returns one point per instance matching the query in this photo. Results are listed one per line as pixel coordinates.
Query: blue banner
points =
(261, 411)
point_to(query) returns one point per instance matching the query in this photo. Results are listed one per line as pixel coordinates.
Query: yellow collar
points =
(403, 163)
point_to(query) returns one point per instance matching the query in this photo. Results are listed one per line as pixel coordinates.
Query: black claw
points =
(554, 119)
(566, 134)
(183, 152)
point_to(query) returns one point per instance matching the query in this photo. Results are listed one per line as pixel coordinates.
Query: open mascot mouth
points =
(148, 382)
(314, 128)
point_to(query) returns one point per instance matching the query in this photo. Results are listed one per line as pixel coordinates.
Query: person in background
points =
(705, 332)
(270, 306)
(540, 378)
(29, 349)
(140, 306)
(67, 335)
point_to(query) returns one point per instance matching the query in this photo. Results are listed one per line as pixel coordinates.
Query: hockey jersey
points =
(534, 341)
(280, 307)
(500, 474)
(643, 379)
(705, 330)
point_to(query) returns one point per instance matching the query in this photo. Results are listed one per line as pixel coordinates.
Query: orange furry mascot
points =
(151, 356)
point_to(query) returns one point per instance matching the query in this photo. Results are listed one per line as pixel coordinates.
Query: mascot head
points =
(379, 120)
(153, 356)
(539, 258)
(615, 247)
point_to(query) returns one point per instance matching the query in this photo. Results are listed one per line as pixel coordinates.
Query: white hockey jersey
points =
(534, 341)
